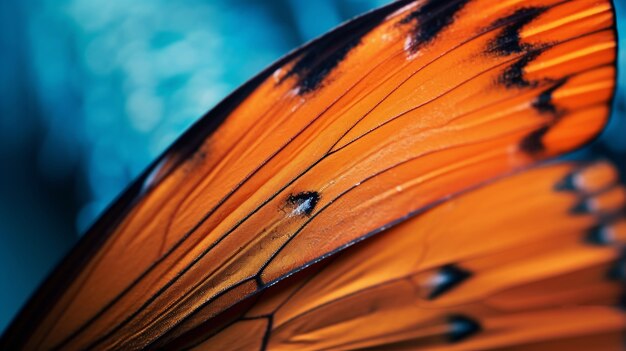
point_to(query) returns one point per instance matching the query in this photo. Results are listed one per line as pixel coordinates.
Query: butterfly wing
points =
(538, 274)
(371, 124)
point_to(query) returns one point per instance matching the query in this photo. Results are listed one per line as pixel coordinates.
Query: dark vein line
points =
(268, 332)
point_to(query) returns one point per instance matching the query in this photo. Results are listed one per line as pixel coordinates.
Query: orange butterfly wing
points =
(536, 274)
(362, 128)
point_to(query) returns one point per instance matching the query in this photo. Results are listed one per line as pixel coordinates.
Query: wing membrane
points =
(527, 277)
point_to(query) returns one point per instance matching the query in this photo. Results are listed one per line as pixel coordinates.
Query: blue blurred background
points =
(92, 90)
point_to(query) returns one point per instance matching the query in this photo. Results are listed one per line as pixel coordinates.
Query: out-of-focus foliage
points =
(92, 90)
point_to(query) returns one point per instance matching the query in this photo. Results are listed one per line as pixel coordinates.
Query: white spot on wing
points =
(408, 48)
(277, 75)
(302, 208)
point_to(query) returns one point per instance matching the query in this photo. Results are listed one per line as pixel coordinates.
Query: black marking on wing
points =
(509, 42)
(303, 203)
(582, 207)
(532, 143)
(618, 271)
(544, 103)
(622, 302)
(431, 19)
(462, 327)
(317, 62)
(449, 277)
(567, 183)
(598, 236)
(513, 76)
(321, 57)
